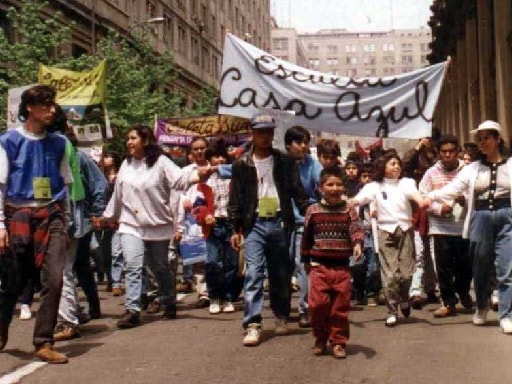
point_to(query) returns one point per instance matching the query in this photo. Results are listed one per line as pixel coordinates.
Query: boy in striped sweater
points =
(332, 233)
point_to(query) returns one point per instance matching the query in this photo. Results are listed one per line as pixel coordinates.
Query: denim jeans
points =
(117, 260)
(302, 277)
(84, 273)
(490, 242)
(424, 276)
(154, 253)
(267, 242)
(366, 270)
(221, 261)
(69, 304)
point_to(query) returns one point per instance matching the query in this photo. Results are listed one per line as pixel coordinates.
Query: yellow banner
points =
(75, 88)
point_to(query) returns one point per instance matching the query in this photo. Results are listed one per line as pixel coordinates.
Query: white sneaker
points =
(480, 316)
(506, 325)
(214, 306)
(25, 312)
(228, 307)
(391, 321)
(252, 337)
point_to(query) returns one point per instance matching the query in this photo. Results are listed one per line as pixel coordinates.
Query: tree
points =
(139, 81)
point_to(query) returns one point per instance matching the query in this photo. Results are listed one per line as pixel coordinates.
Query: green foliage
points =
(139, 80)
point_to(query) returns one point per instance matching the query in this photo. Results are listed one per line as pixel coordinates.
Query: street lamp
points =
(153, 20)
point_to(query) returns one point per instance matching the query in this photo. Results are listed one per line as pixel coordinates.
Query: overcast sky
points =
(353, 15)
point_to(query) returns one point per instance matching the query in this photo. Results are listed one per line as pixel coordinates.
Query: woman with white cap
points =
(487, 184)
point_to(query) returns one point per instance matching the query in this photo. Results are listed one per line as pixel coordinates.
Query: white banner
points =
(392, 106)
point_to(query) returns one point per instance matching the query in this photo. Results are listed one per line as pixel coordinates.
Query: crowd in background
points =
(374, 229)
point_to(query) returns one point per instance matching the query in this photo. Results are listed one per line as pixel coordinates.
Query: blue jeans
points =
(267, 241)
(117, 260)
(302, 277)
(366, 270)
(154, 253)
(490, 242)
(221, 261)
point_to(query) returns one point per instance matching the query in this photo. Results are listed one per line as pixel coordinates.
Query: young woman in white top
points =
(141, 203)
(488, 225)
(393, 194)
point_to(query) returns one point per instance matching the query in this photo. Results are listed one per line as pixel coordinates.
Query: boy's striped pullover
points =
(330, 234)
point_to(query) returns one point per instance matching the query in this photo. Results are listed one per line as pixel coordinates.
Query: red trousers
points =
(329, 303)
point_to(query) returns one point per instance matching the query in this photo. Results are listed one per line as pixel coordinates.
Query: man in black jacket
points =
(264, 182)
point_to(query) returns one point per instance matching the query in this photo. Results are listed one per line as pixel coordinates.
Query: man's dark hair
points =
(328, 147)
(296, 133)
(447, 139)
(217, 148)
(37, 95)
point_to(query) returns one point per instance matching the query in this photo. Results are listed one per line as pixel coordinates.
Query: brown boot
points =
(47, 353)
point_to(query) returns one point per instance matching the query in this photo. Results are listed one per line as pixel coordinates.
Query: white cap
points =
(488, 124)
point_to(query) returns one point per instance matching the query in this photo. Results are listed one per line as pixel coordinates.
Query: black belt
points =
(488, 205)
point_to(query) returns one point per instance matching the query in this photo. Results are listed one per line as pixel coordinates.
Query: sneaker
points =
(466, 301)
(65, 332)
(339, 352)
(372, 302)
(506, 325)
(252, 336)
(304, 321)
(202, 302)
(445, 311)
(405, 308)
(130, 319)
(281, 328)
(495, 303)
(319, 348)
(214, 307)
(25, 312)
(47, 353)
(227, 307)
(390, 321)
(480, 316)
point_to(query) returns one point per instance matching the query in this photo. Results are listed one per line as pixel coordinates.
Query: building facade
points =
(344, 53)
(478, 86)
(193, 30)
(287, 45)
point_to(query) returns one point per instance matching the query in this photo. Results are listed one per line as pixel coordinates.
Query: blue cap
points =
(260, 120)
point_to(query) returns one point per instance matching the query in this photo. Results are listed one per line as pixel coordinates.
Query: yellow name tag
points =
(267, 207)
(42, 188)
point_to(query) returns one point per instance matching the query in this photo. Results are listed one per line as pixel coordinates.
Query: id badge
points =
(42, 188)
(267, 207)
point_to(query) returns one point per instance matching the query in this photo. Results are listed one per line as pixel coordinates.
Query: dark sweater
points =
(330, 234)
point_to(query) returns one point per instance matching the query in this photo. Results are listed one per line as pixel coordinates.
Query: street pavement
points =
(201, 348)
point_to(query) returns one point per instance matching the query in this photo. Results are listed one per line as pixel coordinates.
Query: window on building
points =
(350, 48)
(353, 60)
(77, 51)
(280, 43)
(213, 27)
(215, 66)
(195, 50)
(150, 9)
(389, 59)
(406, 46)
(314, 62)
(425, 47)
(206, 59)
(332, 49)
(407, 59)
(313, 48)
(369, 47)
(182, 40)
(332, 61)
(193, 8)
(168, 30)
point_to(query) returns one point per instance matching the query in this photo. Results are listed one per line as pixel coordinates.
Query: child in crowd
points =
(328, 152)
(332, 234)
(351, 182)
(393, 193)
(222, 259)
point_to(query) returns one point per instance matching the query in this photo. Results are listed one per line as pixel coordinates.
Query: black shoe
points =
(169, 312)
(304, 321)
(405, 308)
(432, 298)
(83, 318)
(203, 302)
(129, 320)
(466, 301)
(4, 335)
(417, 302)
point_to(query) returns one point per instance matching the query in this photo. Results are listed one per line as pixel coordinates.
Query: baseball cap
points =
(488, 124)
(261, 120)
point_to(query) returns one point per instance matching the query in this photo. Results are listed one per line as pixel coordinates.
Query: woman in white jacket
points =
(487, 184)
(141, 203)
